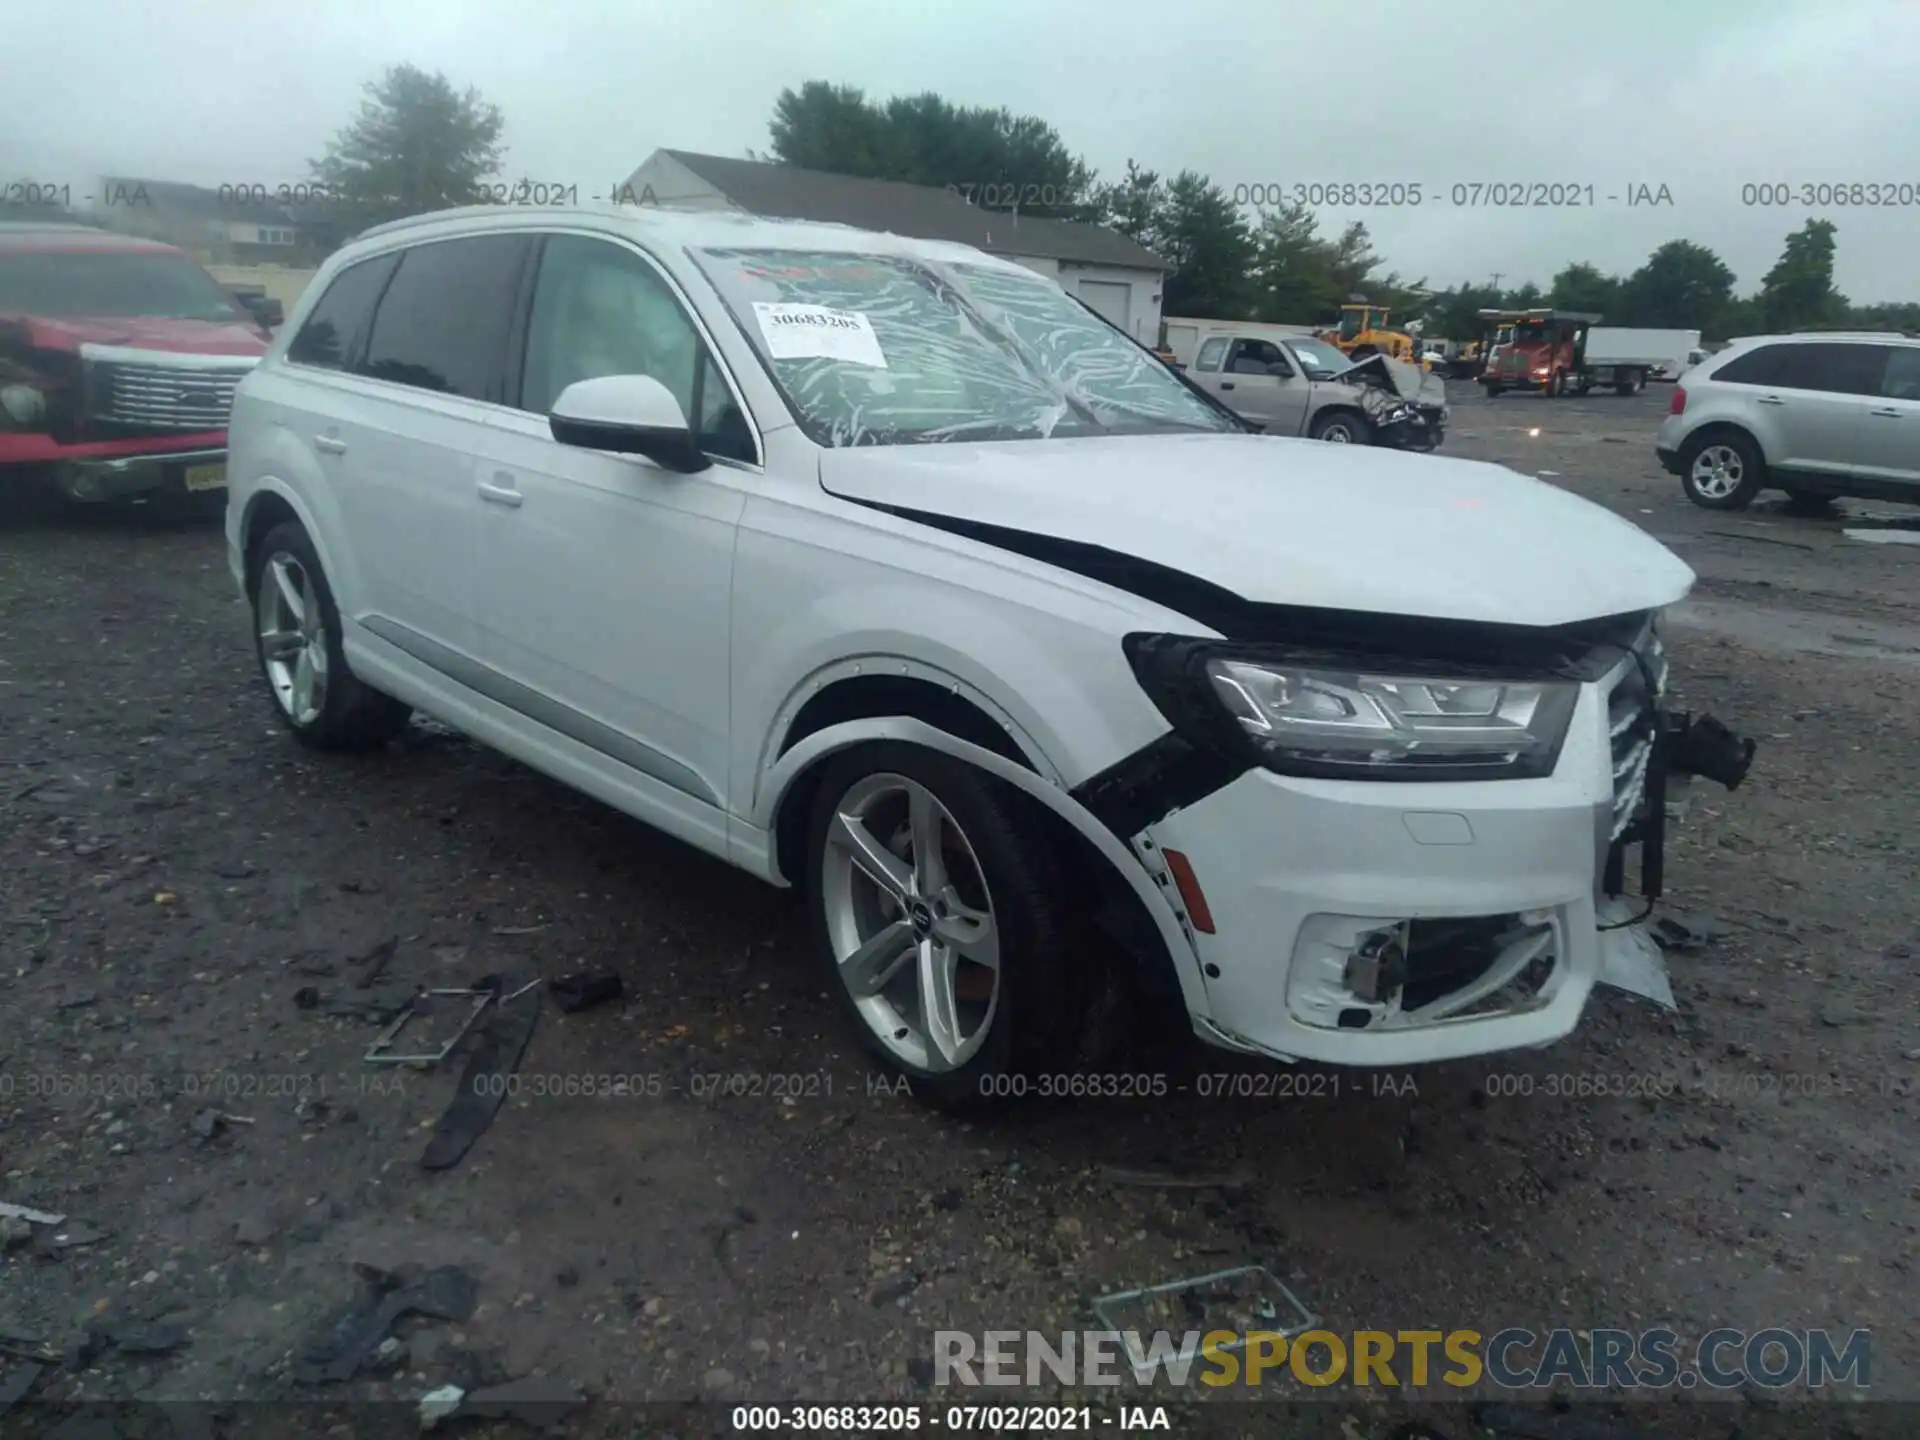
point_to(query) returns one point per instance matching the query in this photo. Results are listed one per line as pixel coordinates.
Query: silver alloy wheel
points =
(911, 922)
(293, 637)
(1337, 434)
(1718, 471)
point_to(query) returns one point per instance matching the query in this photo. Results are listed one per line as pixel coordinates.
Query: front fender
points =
(780, 778)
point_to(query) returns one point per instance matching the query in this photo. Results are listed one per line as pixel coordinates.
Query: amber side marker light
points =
(1191, 895)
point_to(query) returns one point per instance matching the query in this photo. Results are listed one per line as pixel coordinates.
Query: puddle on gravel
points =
(1789, 632)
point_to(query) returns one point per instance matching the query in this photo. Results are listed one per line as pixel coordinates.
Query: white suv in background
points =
(883, 568)
(1818, 415)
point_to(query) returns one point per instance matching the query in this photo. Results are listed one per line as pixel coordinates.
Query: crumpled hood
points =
(187, 337)
(1294, 522)
(1410, 382)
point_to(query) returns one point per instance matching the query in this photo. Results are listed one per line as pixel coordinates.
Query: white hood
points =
(1294, 522)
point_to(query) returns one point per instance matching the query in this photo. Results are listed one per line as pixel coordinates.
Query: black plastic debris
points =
(582, 992)
(135, 1338)
(1685, 930)
(374, 962)
(349, 1339)
(495, 1056)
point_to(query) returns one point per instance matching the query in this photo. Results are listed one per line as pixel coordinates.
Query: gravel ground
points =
(176, 871)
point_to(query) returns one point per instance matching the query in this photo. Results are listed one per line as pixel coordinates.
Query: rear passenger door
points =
(605, 581)
(1808, 401)
(433, 368)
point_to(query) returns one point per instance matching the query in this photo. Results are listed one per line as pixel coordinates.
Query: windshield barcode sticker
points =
(814, 332)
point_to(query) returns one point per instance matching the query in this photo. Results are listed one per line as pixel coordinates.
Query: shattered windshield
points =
(881, 350)
(69, 285)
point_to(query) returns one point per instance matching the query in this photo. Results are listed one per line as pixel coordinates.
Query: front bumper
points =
(1493, 892)
(116, 477)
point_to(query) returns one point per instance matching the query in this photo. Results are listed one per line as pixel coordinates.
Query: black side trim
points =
(1152, 782)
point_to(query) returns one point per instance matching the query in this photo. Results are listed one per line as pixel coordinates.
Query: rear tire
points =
(994, 890)
(1722, 471)
(1492, 389)
(296, 628)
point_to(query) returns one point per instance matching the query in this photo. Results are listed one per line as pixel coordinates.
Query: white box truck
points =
(1663, 352)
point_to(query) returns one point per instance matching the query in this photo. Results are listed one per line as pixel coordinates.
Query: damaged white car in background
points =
(882, 568)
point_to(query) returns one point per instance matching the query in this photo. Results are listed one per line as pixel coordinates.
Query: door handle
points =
(1886, 412)
(1226, 384)
(499, 494)
(328, 445)
(1771, 400)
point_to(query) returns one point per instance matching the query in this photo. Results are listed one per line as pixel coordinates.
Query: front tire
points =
(1492, 389)
(1340, 427)
(296, 628)
(939, 917)
(1722, 472)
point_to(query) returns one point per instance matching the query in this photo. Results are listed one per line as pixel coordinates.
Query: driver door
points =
(604, 582)
(1259, 381)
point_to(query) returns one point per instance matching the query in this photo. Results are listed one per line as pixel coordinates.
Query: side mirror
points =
(265, 308)
(629, 415)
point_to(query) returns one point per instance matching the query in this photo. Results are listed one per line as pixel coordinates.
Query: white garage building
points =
(1103, 267)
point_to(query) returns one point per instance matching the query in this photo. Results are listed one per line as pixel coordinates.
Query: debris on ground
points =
(437, 1405)
(483, 1088)
(351, 1336)
(478, 997)
(374, 963)
(32, 1217)
(15, 1232)
(573, 993)
(1686, 929)
(1243, 1300)
(136, 1338)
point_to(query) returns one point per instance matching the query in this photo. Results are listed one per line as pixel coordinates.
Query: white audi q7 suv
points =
(883, 568)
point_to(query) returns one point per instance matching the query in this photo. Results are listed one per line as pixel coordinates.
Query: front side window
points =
(111, 285)
(886, 349)
(442, 323)
(1258, 357)
(600, 309)
(339, 319)
(1900, 380)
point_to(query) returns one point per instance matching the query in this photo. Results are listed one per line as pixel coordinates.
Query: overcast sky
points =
(1700, 96)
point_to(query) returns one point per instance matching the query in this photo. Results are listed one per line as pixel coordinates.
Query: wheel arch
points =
(271, 504)
(1341, 410)
(1709, 431)
(792, 780)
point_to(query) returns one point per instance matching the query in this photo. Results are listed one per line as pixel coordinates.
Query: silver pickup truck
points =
(1294, 385)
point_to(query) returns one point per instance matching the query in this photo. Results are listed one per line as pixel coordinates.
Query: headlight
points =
(22, 404)
(1356, 725)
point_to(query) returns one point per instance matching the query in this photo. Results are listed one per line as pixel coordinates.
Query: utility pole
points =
(1496, 278)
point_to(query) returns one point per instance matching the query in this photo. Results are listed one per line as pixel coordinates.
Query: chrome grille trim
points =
(156, 391)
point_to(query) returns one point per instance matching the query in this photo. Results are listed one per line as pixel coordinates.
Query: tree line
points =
(1272, 263)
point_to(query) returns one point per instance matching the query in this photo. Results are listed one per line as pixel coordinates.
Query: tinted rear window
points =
(106, 284)
(442, 324)
(1836, 367)
(333, 329)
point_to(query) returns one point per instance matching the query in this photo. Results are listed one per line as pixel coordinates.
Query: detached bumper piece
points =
(1680, 746)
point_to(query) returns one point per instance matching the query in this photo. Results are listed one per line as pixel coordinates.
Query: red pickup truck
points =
(118, 362)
